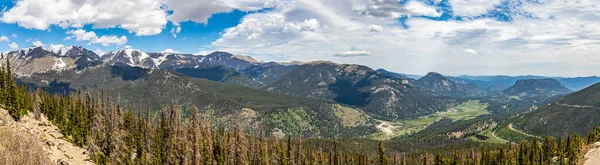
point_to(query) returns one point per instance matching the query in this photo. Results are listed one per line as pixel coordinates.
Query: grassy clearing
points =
(350, 116)
(506, 133)
(465, 111)
(489, 134)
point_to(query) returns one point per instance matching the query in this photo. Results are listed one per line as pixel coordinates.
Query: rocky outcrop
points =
(45, 133)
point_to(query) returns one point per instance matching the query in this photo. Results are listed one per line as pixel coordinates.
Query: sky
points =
(452, 37)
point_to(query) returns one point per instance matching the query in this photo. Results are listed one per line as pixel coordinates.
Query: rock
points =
(0, 122)
(41, 124)
(597, 145)
(50, 143)
(63, 162)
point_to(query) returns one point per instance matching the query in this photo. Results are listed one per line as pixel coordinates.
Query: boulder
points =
(50, 143)
(63, 162)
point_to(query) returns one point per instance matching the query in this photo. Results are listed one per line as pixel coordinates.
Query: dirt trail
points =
(575, 106)
(510, 126)
(58, 150)
(593, 155)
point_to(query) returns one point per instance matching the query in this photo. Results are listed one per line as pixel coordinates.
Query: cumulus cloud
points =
(13, 46)
(99, 52)
(142, 17)
(393, 9)
(176, 29)
(4, 39)
(105, 40)
(170, 51)
(469, 52)
(375, 28)
(557, 33)
(472, 8)
(56, 47)
(353, 53)
(201, 10)
(14, 35)
(38, 43)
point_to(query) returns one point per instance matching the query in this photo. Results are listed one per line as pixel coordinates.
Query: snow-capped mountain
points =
(170, 60)
(75, 51)
(39, 59)
(33, 60)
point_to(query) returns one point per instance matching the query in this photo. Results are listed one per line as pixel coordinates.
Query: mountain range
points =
(315, 99)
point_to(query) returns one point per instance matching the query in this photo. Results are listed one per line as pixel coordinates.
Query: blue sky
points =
(509, 37)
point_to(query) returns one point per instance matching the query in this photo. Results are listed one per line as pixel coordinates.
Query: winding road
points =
(510, 126)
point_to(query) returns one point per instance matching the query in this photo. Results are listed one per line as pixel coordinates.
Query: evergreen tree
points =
(197, 141)
(382, 159)
(241, 147)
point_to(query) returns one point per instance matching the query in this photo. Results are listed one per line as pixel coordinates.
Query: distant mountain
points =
(446, 87)
(574, 113)
(579, 83)
(167, 60)
(381, 95)
(398, 75)
(573, 83)
(502, 80)
(37, 59)
(536, 87)
(526, 95)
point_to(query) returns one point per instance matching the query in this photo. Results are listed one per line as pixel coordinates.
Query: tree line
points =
(120, 134)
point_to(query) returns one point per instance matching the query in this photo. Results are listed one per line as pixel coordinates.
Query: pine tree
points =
(382, 159)
(263, 147)
(300, 157)
(209, 150)
(241, 147)
(197, 142)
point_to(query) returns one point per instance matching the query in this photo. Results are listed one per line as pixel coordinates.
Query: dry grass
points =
(19, 148)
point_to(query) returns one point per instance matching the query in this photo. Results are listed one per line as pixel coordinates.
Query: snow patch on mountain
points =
(59, 63)
(61, 51)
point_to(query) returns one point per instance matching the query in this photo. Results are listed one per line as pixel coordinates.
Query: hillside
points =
(34, 141)
(576, 112)
(446, 87)
(536, 87)
(382, 96)
(219, 101)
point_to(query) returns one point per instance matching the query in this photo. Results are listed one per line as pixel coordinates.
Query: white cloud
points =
(67, 38)
(108, 40)
(170, 51)
(99, 52)
(420, 9)
(471, 8)
(175, 30)
(13, 46)
(105, 40)
(562, 35)
(393, 9)
(469, 52)
(142, 17)
(37, 43)
(375, 28)
(56, 47)
(82, 35)
(14, 35)
(4, 39)
(353, 53)
(201, 10)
